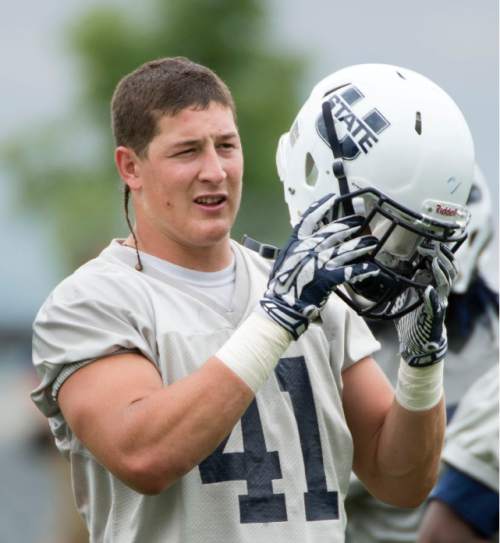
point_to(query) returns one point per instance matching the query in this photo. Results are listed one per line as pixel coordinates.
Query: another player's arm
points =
(441, 524)
(396, 451)
(148, 434)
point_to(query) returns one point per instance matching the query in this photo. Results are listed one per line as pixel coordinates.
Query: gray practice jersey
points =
(282, 474)
(372, 521)
(472, 436)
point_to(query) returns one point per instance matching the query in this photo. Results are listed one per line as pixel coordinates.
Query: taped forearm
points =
(254, 349)
(419, 389)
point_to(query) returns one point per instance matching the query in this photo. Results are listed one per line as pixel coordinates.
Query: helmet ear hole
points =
(311, 172)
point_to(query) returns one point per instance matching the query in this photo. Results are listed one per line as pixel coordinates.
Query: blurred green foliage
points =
(65, 171)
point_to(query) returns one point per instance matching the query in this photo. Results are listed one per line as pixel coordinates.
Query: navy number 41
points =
(258, 467)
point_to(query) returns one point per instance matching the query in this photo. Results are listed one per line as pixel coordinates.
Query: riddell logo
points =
(445, 210)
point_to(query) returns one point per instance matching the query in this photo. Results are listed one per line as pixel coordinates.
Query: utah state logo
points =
(361, 132)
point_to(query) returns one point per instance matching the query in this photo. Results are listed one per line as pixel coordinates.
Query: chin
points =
(211, 238)
(215, 233)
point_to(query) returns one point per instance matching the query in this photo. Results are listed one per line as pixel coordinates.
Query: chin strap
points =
(338, 164)
(265, 250)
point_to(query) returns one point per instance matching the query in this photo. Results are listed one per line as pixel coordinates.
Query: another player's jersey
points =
(282, 474)
(469, 482)
(472, 437)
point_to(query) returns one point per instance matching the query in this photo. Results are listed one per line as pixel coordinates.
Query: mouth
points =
(211, 201)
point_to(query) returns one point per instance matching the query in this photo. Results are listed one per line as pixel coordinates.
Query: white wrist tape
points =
(254, 349)
(419, 389)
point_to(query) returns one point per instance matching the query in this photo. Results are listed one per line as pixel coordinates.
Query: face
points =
(187, 189)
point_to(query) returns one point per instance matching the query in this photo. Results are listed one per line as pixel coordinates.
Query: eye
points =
(185, 152)
(227, 146)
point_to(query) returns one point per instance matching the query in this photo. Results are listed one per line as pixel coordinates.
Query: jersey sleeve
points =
(79, 324)
(347, 333)
(360, 342)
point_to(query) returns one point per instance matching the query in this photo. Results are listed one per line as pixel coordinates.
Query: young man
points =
(201, 396)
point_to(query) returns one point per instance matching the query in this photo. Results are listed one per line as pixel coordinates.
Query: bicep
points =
(367, 397)
(95, 398)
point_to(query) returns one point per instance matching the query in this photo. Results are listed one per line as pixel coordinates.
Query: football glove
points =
(320, 255)
(422, 332)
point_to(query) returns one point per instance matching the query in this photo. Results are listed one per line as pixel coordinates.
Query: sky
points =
(453, 42)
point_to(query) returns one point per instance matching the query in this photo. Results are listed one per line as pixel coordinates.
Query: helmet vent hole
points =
(418, 123)
(311, 170)
(401, 75)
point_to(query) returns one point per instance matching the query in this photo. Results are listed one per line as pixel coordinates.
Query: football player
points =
(204, 395)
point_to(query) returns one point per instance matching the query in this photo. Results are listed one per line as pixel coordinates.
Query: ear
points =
(127, 164)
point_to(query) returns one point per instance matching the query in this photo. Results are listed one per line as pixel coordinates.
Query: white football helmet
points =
(474, 250)
(397, 150)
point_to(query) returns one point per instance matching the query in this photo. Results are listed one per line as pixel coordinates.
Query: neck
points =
(211, 258)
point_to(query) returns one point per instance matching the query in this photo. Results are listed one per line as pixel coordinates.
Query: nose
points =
(212, 167)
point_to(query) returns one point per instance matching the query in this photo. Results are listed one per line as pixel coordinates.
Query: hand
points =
(422, 333)
(316, 259)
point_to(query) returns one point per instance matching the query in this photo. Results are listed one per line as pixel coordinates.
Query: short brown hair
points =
(162, 87)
